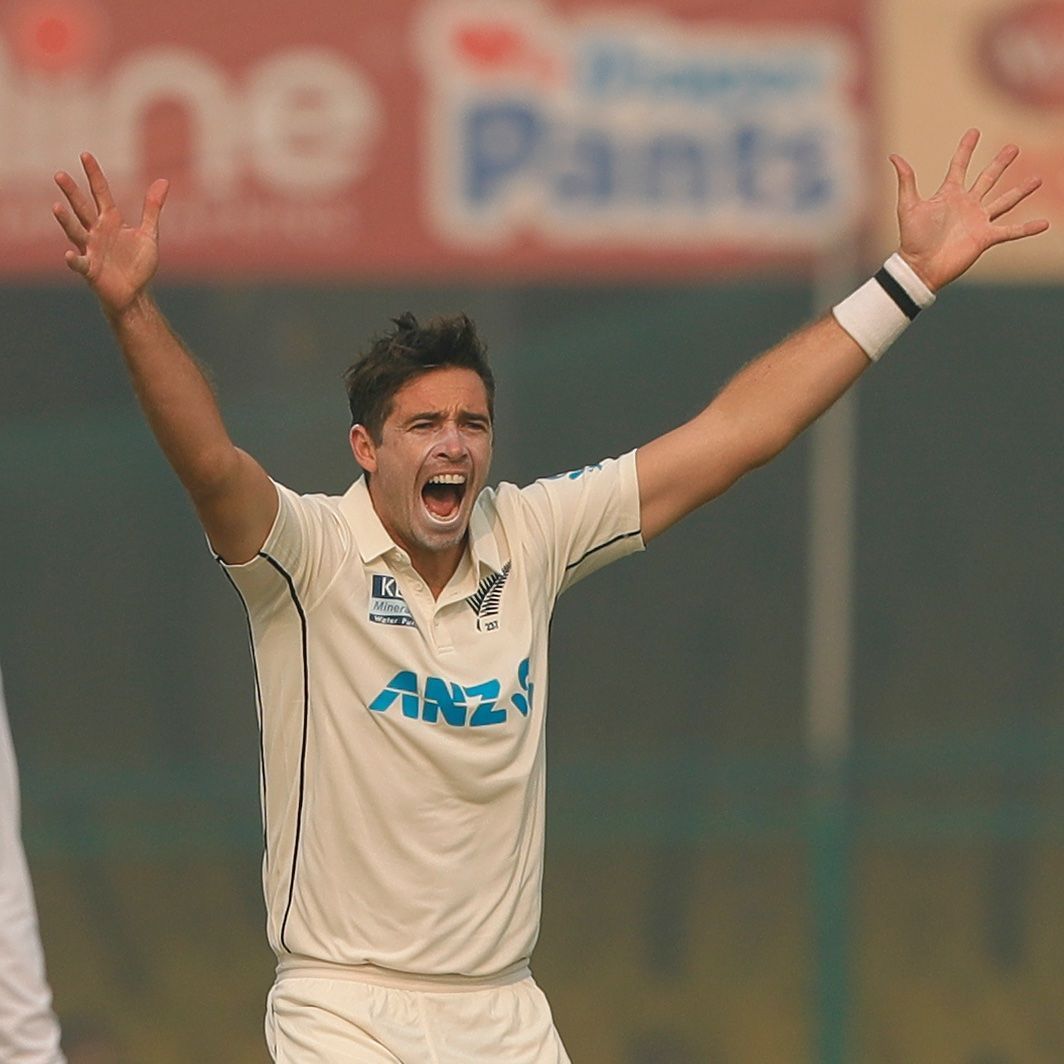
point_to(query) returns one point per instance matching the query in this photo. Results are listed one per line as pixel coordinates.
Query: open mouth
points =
(443, 495)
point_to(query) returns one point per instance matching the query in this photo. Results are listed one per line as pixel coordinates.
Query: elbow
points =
(755, 446)
(209, 474)
(769, 449)
(749, 436)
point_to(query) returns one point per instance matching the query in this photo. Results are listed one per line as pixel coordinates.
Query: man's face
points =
(432, 459)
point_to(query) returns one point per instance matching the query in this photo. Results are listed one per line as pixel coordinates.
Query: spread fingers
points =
(1007, 200)
(80, 204)
(74, 230)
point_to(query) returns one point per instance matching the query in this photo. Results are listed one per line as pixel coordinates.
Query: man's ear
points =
(363, 448)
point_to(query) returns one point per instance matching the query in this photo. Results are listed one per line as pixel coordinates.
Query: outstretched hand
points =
(943, 235)
(116, 259)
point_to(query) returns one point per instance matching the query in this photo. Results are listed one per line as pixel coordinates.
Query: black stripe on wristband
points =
(906, 304)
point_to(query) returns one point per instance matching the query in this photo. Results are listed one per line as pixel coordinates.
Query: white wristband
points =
(879, 311)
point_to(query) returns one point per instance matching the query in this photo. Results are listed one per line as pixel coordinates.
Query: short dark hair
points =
(406, 352)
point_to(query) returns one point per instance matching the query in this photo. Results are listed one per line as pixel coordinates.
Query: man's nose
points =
(450, 441)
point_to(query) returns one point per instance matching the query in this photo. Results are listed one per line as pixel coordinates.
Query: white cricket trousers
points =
(29, 1031)
(326, 1017)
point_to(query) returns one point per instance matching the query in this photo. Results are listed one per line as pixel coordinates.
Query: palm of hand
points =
(942, 236)
(118, 260)
(121, 259)
(946, 233)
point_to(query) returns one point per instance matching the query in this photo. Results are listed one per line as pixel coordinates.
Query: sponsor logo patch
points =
(576, 474)
(387, 605)
(431, 699)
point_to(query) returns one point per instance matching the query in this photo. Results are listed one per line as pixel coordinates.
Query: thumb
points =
(153, 205)
(78, 263)
(908, 196)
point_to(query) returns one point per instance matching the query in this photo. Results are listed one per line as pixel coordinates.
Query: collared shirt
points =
(403, 765)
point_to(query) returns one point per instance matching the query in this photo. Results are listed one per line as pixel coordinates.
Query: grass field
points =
(649, 957)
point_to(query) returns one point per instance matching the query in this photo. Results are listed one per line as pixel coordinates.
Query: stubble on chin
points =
(442, 541)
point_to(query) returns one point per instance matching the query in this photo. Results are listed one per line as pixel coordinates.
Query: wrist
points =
(920, 270)
(138, 309)
(883, 307)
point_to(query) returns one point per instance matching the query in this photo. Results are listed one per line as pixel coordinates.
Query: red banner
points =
(445, 139)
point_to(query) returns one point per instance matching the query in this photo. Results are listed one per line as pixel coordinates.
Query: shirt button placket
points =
(440, 635)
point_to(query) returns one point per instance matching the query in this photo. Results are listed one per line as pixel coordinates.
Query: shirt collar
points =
(373, 541)
(371, 538)
(482, 542)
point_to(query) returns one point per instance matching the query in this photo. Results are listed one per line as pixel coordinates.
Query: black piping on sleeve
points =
(258, 712)
(303, 746)
(602, 546)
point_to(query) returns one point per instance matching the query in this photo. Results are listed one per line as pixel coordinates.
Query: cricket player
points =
(399, 631)
(29, 1032)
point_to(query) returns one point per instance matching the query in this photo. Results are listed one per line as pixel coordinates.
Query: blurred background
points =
(805, 796)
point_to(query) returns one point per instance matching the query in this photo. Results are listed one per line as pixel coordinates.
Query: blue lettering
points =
(591, 175)
(678, 169)
(576, 474)
(813, 186)
(611, 69)
(403, 685)
(750, 148)
(782, 171)
(486, 712)
(450, 700)
(476, 706)
(502, 139)
(523, 162)
(523, 702)
(608, 69)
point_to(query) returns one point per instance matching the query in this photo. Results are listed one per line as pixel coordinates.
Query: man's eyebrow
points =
(439, 415)
(425, 415)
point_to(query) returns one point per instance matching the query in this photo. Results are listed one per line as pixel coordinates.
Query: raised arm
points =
(770, 401)
(235, 499)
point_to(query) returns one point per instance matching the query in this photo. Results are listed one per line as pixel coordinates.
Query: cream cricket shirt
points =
(29, 1031)
(403, 763)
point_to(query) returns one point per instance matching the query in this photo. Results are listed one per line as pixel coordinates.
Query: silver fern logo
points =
(487, 599)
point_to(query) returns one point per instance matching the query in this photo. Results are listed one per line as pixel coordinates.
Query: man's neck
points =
(437, 567)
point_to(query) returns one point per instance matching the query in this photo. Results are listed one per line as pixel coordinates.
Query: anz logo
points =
(576, 474)
(474, 706)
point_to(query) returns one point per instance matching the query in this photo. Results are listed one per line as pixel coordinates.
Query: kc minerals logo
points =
(387, 605)
(632, 128)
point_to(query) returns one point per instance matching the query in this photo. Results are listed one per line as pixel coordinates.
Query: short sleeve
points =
(585, 519)
(301, 556)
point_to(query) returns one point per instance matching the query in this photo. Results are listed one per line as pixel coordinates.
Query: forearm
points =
(235, 499)
(780, 394)
(768, 403)
(176, 398)
(754, 417)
